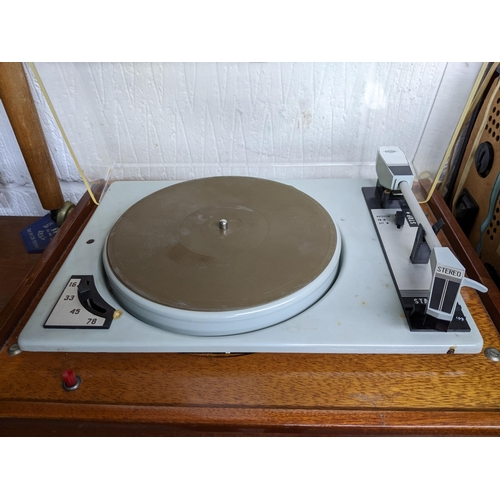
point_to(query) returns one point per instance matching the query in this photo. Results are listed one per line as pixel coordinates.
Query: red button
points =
(69, 378)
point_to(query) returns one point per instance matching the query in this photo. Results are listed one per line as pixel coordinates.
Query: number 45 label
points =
(70, 313)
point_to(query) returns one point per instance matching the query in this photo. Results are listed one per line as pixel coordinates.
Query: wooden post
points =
(20, 107)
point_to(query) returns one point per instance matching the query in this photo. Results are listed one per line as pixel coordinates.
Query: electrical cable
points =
(471, 111)
(61, 129)
(463, 118)
(477, 140)
(460, 146)
(470, 105)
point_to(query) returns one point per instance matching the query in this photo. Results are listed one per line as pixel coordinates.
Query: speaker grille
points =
(493, 124)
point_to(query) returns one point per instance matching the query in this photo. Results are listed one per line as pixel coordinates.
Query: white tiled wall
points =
(276, 120)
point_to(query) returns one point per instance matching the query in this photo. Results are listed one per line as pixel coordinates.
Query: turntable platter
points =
(221, 247)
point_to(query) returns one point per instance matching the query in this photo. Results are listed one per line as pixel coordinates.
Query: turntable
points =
(240, 264)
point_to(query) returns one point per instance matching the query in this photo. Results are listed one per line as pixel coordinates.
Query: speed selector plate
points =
(80, 306)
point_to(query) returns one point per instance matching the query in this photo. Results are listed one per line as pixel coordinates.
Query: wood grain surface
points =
(32, 285)
(467, 256)
(254, 394)
(262, 393)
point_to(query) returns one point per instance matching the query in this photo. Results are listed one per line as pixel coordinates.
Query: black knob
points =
(484, 158)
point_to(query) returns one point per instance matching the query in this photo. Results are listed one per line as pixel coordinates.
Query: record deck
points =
(240, 264)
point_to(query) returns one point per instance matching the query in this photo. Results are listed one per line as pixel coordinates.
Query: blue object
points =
(495, 190)
(37, 236)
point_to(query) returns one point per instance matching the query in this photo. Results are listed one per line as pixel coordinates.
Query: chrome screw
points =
(14, 350)
(492, 354)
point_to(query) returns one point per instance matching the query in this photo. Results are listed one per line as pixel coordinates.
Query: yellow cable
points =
(469, 106)
(470, 159)
(56, 118)
(480, 93)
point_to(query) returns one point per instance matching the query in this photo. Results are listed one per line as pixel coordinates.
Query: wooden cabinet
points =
(253, 394)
